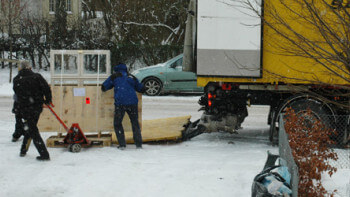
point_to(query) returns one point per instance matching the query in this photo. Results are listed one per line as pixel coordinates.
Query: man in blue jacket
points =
(125, 100)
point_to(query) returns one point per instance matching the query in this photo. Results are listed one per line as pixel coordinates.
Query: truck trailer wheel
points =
(318, 110)
(153, 86)
(300, 106)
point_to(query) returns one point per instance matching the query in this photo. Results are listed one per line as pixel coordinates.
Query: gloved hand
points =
(103, 88)
(47, 102)
(143, 89)
(14, 110)
(46, 105)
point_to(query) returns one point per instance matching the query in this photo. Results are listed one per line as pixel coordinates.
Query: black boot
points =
(22, 154)
(121, 147)
(14, 139)
(43, 158)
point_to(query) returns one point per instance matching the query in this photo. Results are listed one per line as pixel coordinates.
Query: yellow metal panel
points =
(280, 67)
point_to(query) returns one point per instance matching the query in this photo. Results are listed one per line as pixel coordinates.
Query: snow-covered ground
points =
(216, 164)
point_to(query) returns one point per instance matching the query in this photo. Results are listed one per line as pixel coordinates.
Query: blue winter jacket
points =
(124, 86)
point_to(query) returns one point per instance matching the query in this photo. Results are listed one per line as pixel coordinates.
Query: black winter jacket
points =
(31, 89)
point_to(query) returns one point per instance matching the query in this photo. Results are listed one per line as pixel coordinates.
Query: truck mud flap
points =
(192, 129)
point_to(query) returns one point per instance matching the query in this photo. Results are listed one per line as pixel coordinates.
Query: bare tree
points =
(59, 27)
(33, 33)
(106, 8)
(89, 9)
(3, 38)
(10, 12)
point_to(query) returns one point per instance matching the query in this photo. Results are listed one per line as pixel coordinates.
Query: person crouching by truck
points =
(32, 92)
(125, 100)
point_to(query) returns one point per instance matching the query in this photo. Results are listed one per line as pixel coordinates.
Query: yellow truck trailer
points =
(280, 53)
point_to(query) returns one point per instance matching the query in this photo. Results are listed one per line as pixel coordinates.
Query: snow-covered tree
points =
(151, 30)
(153, 25)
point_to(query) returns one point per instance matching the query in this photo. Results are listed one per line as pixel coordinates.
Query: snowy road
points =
(216, 164)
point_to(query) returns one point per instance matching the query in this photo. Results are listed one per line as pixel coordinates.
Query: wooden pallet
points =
(98, 140)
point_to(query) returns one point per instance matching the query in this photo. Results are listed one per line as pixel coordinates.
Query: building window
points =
(68, 6)
(52, 6)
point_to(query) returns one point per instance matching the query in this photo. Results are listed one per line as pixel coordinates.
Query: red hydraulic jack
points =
(75, 137)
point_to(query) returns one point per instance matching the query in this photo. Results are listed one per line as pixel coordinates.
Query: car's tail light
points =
(210, 96)
(210, 99)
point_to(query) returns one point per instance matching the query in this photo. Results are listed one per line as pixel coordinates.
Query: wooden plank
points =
(165, 129)
(94, 117)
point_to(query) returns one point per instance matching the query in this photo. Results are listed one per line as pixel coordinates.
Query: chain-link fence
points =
(340, 126)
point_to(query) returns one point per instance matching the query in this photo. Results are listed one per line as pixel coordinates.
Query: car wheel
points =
(153, 87)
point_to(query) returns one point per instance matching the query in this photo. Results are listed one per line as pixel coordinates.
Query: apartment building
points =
(14, 11)
(72, 7)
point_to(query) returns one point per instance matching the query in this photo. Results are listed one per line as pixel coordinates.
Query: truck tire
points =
(300, 106)
(153, 86)
(317, 110)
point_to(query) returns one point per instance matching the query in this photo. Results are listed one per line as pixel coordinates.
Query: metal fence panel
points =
(285, 153)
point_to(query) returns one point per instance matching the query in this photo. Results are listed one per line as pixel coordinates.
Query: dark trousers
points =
(31, 131)
(118, 127)
(18, 127)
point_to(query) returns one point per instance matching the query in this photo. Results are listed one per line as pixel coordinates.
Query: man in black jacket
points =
(32, 92)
